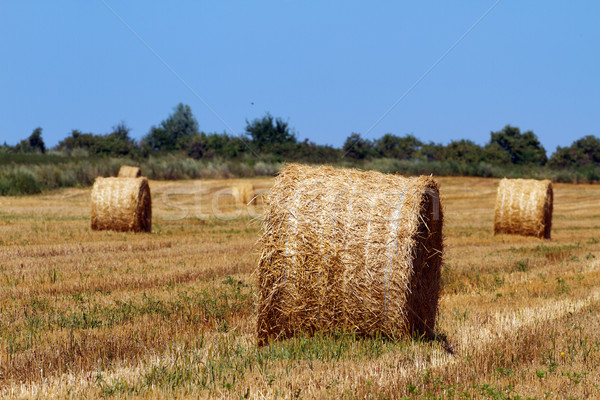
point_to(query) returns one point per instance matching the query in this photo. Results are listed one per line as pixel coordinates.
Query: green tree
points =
(584, 151)
(158, 139)
(36, 142)
(33, 144)
(431, 152)
(358, 148)
(174, 132)
(78, 140)
(5, 148)
(116, 143)
(523, 148)
(465, 151)
(197, 147)
(495, 154)
(270, 135)
(392, 146)
(212, 145)
(309, 151)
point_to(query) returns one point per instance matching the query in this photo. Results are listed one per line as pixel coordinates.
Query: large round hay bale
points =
(129, 172)
(524, 207)
(349, 251)
(121, 204)
(243, 193)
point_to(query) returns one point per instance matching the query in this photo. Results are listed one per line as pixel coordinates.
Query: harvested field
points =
(171, 313)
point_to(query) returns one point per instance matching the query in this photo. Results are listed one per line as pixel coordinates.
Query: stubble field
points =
(170, 314)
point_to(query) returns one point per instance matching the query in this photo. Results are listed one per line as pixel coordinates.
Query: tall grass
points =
(31, 174)
(453, 168)
(34, 177)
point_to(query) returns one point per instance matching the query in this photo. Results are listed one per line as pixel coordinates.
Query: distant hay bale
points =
(129, 172)
(349, 251)
(243, 193)
(121, 204)
(524, 207)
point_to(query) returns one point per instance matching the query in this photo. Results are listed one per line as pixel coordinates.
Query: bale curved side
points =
(351, 251)
(129, 172)
(524, 207)
(121, 204)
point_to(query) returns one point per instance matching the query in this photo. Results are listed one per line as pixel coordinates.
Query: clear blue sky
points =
(329, 68)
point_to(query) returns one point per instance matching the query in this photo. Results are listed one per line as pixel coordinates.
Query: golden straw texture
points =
(121, 204)
(524, 207)
(349, 251)
(243, 193)
(129, 172)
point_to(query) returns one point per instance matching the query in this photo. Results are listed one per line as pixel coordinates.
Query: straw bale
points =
(243, 193)
(349, 251)
(121, 204)
(129, 172)
(524, 207)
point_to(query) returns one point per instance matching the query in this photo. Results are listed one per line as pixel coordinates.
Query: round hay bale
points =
(121, 204)
(129, 172)
(349, 251)
(243, 193)
(524, 207)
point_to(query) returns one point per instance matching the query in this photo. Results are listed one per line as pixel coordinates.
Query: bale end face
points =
(121, 204)
(349, 251)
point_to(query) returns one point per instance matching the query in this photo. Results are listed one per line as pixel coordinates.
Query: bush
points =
(20, 180)
(29, 174)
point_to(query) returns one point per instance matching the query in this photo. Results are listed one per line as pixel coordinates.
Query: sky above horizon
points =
(441, 71)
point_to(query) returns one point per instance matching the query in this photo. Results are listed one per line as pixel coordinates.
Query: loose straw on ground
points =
(243, 193)
(524, 207)
(121, 204)
(349, 251)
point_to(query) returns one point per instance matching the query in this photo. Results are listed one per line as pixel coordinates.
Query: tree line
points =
(271, 139)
